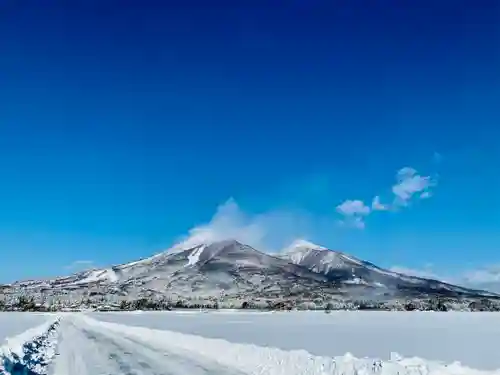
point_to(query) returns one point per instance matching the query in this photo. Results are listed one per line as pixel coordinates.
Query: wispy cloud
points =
(425, 195)
(267, 231)
(228, 222)
(353, 212)
(273, 229)
(353, 207)
(377, 205)
(409, 186)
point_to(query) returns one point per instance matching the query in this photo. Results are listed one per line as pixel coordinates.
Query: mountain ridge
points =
(230, 269)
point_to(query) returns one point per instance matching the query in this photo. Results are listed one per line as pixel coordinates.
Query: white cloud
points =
(272, 229)
(353, 212)
(357, 222)
(411, 184)
(229, 222)
(425, 195)
(379, 206)
(268, 231)
(353, 207)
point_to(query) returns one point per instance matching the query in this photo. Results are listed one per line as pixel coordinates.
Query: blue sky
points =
(125, 124)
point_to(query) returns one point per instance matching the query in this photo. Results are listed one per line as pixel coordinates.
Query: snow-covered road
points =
(86, 346)
(90, 349)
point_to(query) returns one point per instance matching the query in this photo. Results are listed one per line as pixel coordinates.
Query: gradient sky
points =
(123, 124)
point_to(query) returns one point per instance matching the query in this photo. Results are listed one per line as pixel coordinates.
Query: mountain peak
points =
(302, 245)
(299, 250)
(195, 242)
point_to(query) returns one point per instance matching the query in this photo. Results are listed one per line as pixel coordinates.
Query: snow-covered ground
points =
(470, 338)
(91, 347)
(29, 352)
(78, 344)
(14, 323)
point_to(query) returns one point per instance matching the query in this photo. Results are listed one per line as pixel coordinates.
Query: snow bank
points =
(15, 323)
(254, 360)
(30, 352)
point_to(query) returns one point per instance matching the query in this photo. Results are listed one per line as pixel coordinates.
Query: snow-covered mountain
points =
(338, 266)
(235, 269)
(319, 259)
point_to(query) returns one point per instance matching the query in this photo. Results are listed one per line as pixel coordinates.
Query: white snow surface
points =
(13, 347)
(15, 323)
(88, 346)
(298, 250)
(15, 344)
(91, 347)
(194, 257)
(470, 338)
(106, 274)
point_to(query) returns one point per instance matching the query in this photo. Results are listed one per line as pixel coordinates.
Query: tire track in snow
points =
(86, 350)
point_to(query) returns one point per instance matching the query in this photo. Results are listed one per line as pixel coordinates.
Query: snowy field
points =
(470, 338)
(153, 344)
(14, 323)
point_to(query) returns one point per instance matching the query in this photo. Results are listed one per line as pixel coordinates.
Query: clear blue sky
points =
(125, 123)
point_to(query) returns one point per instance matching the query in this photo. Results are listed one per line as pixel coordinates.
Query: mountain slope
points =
(206, 270)
(226, 267)
(343, 268)
(211, 270)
